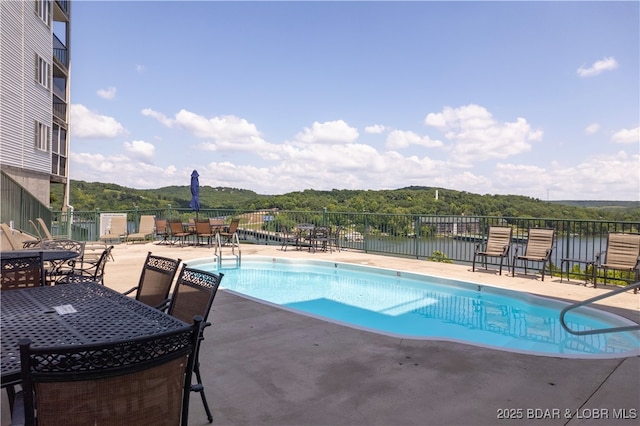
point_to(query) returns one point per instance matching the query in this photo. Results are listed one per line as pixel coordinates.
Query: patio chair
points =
(334, 238)
(204, 231)
(289, 238)
(117, 229)
(193, 295)
(538, 249)
(178, 232)
(497, 245)
(56, 271)
(146, 229)
(20, 273)
(622, 254)
(104, 384)
(89, 272)
(320, 237)
(162, 230)
(155, 280)
(228, 234)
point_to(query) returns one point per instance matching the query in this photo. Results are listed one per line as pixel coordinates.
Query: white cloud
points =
(140, 68)
(88, 124)
(398, 139)
(227, 128)
(592, 128)
(168, 122)
(477, 136)
(329, 132)
(140, 150)
(627, 136)
(606, 64)
(109, 93)
(375, 129)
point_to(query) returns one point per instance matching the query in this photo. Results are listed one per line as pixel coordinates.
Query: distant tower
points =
(436, 194)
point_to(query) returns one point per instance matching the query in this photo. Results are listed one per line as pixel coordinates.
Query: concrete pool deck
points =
(266, 366)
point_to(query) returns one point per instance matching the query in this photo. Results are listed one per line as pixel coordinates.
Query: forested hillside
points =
(415, 200)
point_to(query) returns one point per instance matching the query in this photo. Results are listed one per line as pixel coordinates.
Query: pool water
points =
(423, 307)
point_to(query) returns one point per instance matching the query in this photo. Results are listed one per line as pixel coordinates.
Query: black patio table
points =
(72, 314)
(47, 255)
(55, 257)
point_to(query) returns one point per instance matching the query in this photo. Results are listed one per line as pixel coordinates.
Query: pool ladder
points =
(236, 254)
(634, 287)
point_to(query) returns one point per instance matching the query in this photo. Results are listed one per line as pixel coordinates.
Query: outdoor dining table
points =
(72, 314)
(48, 255)
(55, 257)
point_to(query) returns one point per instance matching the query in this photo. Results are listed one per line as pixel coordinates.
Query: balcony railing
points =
(60, 51)
(59, 109)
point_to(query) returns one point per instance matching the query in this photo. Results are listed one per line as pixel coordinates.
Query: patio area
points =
(264, 365)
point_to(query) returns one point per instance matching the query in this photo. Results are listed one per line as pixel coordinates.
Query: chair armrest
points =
(130, 290)
(598, 260)
(163, 306)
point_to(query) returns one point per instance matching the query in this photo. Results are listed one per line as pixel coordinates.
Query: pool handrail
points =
(634, 287)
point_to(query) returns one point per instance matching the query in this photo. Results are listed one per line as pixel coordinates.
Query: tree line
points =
(89, 196)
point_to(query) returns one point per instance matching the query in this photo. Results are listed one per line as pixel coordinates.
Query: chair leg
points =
(200, 389)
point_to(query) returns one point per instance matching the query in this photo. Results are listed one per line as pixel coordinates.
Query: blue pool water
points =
(424, 307)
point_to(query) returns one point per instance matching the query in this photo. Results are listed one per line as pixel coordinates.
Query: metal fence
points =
(448, 238)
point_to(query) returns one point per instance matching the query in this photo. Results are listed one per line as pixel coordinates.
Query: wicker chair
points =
(105, 384)
(155, 280)
(622, 254)
(20, 273)
(94, 272)
(193, 295)
(539, 248)
(498, 245)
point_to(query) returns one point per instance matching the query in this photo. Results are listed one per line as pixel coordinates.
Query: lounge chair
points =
(15, 239)
(117, 229)
(45, 230)
(497, 245)
(145, 230)
(622, 254)
(538, 249)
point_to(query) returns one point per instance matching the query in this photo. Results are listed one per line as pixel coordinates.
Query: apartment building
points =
(34, 101)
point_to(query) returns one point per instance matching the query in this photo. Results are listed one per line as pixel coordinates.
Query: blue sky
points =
(540, 99)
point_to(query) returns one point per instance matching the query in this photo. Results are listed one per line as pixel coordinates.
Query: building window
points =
(42, 71)
(42, 136)
(43, 9)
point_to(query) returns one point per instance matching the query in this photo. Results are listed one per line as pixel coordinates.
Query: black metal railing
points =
(453, 238)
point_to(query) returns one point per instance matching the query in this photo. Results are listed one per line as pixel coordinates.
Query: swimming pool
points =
(417, 306)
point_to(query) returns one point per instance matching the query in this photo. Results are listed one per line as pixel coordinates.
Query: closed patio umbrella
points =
(195, 192)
